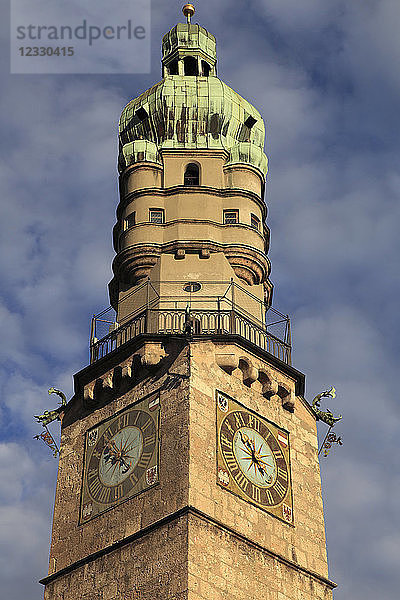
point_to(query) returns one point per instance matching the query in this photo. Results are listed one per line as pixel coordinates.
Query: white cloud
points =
(25, 513)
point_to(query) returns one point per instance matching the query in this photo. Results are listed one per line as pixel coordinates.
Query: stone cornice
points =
(187, 511)
(140, 165)
(213, 246)
(136, 261)
(245, 167)
(114, 358)
(200, 152)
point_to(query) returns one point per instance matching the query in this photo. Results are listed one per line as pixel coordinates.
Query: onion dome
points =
(191, 108)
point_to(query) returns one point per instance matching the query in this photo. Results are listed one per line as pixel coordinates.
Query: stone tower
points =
(189, 465)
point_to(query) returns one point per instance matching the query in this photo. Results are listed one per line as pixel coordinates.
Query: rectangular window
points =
(231, 217)
(130, 221)
(255, 222)
(156, 215)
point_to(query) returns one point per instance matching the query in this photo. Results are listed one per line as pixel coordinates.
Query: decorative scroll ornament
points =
(48, 417)
(330, 439)
(49, 440)
(327, 417)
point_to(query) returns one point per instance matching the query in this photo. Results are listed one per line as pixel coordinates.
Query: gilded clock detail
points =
(253, 458)
(121, 458)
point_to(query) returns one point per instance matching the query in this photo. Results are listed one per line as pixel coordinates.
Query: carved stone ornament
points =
(251, 267)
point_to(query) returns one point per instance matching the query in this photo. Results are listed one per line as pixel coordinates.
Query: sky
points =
(324, 76)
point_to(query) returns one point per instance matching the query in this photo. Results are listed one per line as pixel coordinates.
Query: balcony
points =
(222, 314)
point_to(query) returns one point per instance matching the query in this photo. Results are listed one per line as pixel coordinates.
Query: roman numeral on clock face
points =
(230, 460)
(104, 495)
(149, 439)
(92, 473)
(147, 424)
(229, 426)
(108, 434)
(256, 493)
(241, 480)
(282, 473)
(123, 421)
(95, 488)
(239, 420)
(134, 478)
(144, 459)
(225, 441)
(270, 498)
(118, 492)
(280, 490)
(254, 423)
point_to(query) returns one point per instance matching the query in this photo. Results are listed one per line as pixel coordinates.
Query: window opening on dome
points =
(231, 217)
(205, 68)
(192, 175)
(141, 114)
(190, 65)
(250, 121)
(173, 67)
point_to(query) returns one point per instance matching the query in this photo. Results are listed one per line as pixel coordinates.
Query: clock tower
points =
(188, 466)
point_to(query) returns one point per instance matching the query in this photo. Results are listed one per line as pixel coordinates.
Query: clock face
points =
(121, 458)
(121, 454)
(253, 458)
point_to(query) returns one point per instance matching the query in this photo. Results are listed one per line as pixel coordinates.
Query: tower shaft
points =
(189, 461)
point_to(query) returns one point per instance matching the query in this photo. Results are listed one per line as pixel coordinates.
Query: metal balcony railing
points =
(218, 315)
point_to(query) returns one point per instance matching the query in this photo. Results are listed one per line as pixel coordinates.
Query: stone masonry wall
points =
(303, 543)
(71, 541)
(224, 547)
(222, 566)
(151, 568)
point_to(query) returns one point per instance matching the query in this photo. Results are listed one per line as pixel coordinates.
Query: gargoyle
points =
(327, 417)
(52, 415)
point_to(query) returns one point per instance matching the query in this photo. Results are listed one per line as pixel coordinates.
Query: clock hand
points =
(109, 453)
(254, 458)
(246, 441)
(126, 465)
(257, 461)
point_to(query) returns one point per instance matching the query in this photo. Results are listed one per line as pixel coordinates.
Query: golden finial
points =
(188, 10)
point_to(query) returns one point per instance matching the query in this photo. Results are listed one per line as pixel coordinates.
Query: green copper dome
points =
(192, 109)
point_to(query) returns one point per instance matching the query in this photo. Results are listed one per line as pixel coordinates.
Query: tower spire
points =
(188, 10)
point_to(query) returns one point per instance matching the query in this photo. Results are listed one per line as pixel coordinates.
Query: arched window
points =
(206, 68)
(192, 175)
(190, 64)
